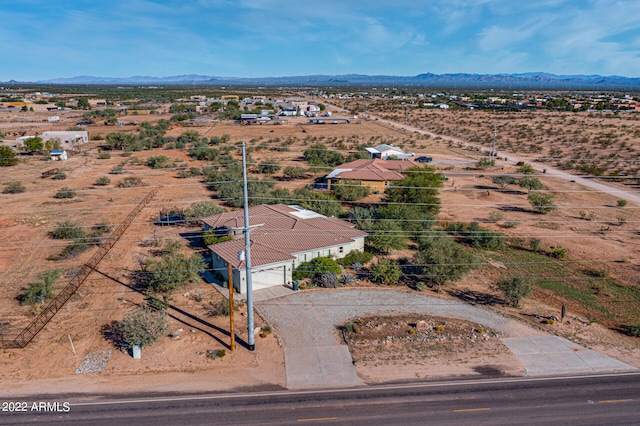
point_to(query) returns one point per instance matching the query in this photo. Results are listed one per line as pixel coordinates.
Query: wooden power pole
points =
(232, 332)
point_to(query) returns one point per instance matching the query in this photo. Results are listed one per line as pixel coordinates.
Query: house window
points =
(316, 254)
(326, 253)
(218, 257)
(303, 257)
(340, 249)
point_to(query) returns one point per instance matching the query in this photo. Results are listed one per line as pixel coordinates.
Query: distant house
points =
(58, 154)
(375, 173)
(69, 140)
(282, 238)
(385, 151)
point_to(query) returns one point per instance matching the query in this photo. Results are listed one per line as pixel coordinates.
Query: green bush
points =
(210, 238)
(386, 272)
(143, 326)
(59, 176)
(8, 157)
(328, 280)
(202, 209)
(515, 289)
(35, 292)
(14, 188)
(315, 268)
(104, 155)
(131, 182)
(541, 203)
(621, 203)
(355, 256)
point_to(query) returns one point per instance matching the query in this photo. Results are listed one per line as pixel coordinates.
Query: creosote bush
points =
(65, 193)
(143, 326)
(14, 187)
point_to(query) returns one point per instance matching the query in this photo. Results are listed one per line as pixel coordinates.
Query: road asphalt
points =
(316, 357)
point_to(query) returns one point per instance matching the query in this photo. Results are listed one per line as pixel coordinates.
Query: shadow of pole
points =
(184, 313)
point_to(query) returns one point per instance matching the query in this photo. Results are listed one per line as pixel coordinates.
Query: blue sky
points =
(41, 39)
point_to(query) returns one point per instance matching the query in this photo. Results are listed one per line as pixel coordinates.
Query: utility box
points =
(136, 351)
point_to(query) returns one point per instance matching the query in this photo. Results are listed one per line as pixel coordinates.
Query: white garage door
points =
(268, 277)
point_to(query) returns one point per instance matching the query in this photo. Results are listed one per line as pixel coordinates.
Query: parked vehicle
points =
(423, 159)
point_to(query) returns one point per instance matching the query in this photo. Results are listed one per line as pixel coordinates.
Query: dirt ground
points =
(426, 348)
(49, 363)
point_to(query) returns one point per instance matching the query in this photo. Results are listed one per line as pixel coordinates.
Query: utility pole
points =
(493, 142)
(232, 328)
(247, 248)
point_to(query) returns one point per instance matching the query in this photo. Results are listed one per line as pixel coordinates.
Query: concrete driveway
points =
(316, 357)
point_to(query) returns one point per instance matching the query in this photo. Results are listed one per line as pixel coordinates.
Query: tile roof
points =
(279, 231)
(372, 170)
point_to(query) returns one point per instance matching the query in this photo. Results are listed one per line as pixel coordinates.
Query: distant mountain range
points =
(534, 80)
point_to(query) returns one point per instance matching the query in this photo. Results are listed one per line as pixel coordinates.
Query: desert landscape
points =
(582, 257)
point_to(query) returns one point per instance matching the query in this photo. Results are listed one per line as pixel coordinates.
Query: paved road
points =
(607, 400)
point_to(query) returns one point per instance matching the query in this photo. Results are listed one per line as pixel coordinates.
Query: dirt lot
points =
(597, 235)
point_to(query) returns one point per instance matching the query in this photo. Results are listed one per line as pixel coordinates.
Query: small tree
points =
(202, 209)
(143, 326)
(542, 203)
(526, 169)
(621, 203)
(386, 271)
(292, 172)
(268, 167)
(504, 180)
(485, 163)
(172, 271)
(350, 190)
(442, 259)
(8, 157)
(33, 144)
(530, 183)
(515, 289)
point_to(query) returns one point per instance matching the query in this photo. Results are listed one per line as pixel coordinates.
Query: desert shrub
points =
(541, 203)
(158, 162)
(633, 330)
(143, 326)
(268, 167)
(210, 238)
(441, 259)
(221, 308)
(104, 155)
(292, 172)
(74, 248)
(131, 182)
(530, 183)
(621, 203)
(476, 236)
(67, 231)
(526, 169)
(511, 224)
(59, 176)
(327, 280)
(35, 292)
(103, 181)
(216, 353)
(386, 272)
(515, 289)
(350, 190)
(534, 244)
(116, 170)
(202, 209)
(40, 291)
(485, 163)
(14, 187)
(315, 268)
(355, 256)
(171, 271)
(346, 279)
(558, 252)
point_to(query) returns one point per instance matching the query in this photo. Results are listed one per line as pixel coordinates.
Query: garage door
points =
(268, 277)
